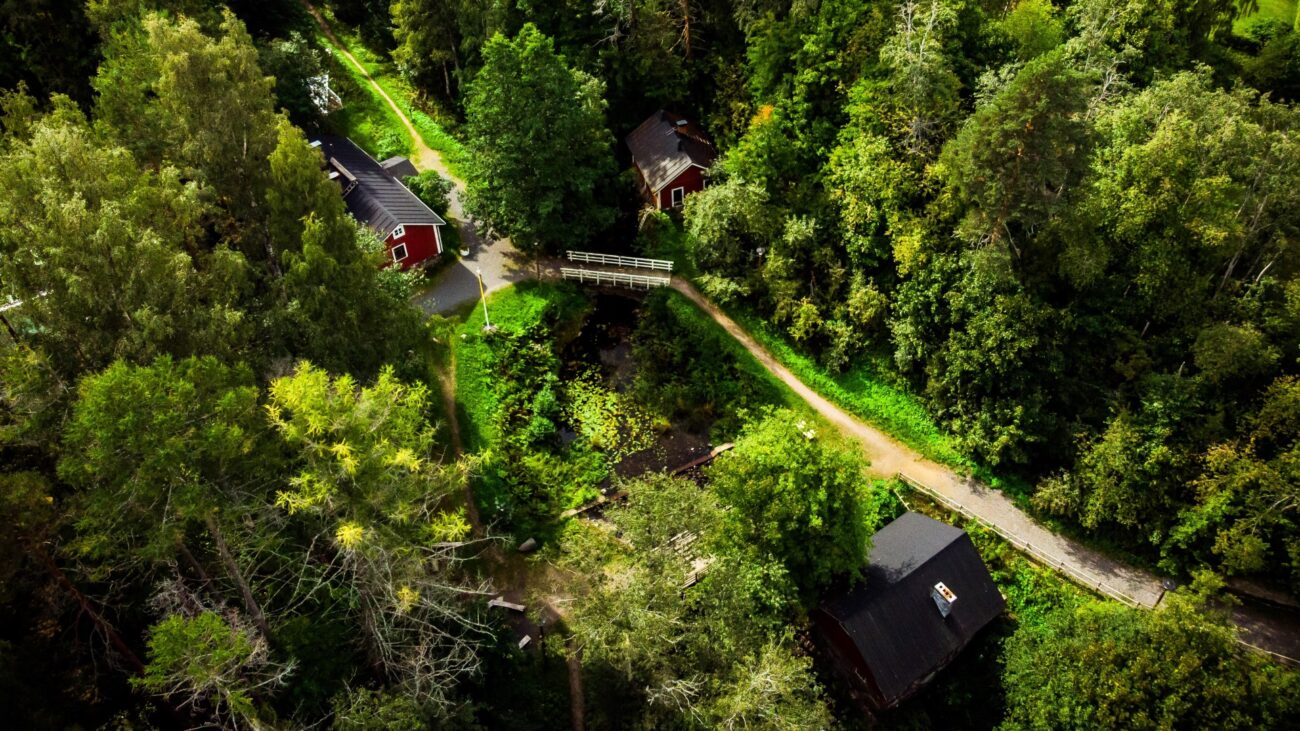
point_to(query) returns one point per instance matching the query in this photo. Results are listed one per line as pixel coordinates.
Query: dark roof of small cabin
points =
(662, 149)
(891, 617)
(378, 199)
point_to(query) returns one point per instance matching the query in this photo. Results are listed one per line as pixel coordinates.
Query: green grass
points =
(512, 309)
(1283, 10)
(365, 118)
(385, 73)
(863, 390)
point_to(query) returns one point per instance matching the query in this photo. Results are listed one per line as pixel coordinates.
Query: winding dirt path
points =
(1271, 630)
(426, 158)
(500, 265)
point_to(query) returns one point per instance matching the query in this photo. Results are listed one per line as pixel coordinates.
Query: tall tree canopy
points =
(106, 256)
(796, 500)
(542, 157)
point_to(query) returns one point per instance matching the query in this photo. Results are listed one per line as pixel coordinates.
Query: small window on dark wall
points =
(399, 252)
(678, 194)
(399, 232)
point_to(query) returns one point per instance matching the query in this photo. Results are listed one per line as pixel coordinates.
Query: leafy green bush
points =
(797, 499)
(689, 369)
(433, 189)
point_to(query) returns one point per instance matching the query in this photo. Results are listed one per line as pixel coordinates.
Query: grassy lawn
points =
(1283, 10)
(399, 89)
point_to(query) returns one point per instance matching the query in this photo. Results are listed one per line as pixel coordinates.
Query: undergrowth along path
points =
(498, 261)
(890, 458)
(1259, 627)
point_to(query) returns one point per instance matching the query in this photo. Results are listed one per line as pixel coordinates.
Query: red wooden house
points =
(671, 153)
(375, 197)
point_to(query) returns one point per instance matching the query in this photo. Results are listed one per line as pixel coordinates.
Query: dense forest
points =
(232, 497)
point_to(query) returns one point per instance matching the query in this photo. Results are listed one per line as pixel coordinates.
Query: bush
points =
(433, 189)
(796, 499)
(391, 143)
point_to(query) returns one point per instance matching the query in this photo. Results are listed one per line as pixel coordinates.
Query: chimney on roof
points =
(943, 598)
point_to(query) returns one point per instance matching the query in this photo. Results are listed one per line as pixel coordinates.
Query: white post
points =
(482, 293)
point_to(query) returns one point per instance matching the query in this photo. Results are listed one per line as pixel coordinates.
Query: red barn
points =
(375, 197)
(671, 153)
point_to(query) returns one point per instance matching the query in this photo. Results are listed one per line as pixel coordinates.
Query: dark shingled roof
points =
(661, 149)
(378, 199)
(400, 167)
(891, 617)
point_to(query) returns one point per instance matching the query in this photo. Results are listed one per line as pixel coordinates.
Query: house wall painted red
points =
(691, 180)
(422, 242)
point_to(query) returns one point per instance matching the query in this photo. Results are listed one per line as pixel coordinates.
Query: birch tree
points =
(370, 488)
(923, 87)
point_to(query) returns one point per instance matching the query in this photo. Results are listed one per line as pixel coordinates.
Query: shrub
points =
(433, 189)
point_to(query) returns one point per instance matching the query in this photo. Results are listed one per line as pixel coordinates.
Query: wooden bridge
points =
(613, 260)
(624, 274)
(604, 278)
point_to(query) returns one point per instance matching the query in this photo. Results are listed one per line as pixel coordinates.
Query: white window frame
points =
(399, 232)
(675, 198)
(405, 252)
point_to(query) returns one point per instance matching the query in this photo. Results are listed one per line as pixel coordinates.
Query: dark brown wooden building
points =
(671, 153)
(925, 596)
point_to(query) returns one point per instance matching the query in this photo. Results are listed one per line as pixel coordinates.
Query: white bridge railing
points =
(1079, 577)
(634, 262)
(616, 279)
(1076, 575)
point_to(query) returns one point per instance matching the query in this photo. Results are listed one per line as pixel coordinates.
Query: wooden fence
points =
(633, 262)
(614, 279)
(1075, 574)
